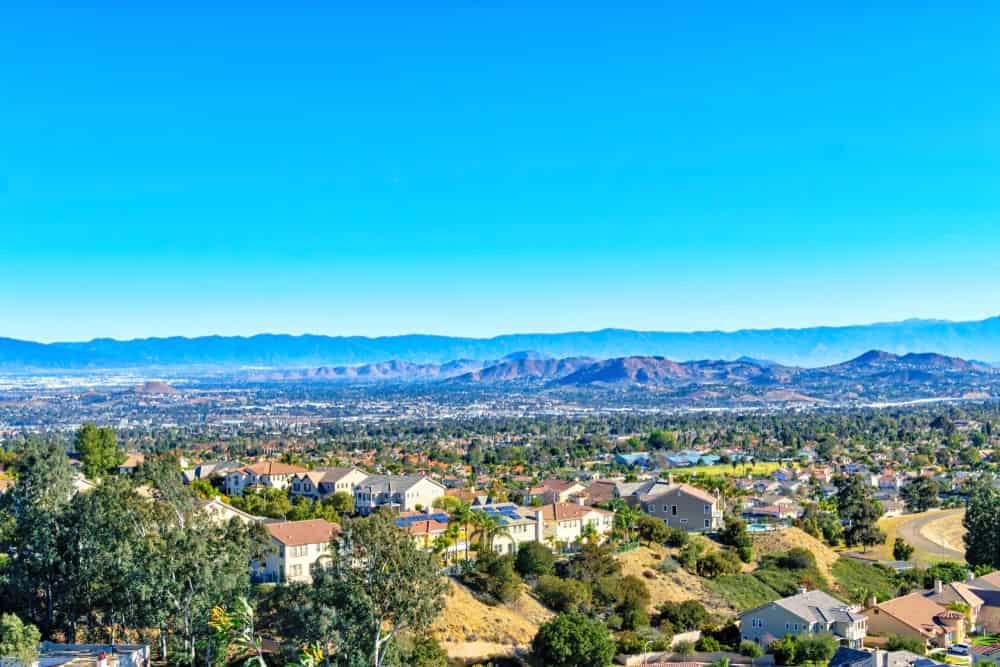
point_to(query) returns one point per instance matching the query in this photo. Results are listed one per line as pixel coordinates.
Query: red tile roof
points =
(297, 533)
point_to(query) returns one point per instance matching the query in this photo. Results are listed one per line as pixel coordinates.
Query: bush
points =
(796, 559)
(689, 554)
(707, 644)
(676, 537)
(652, 529)
(901, 550)
(751, 649)
(684, 616)
(797, 649)
(572, 640)
(493, 576)
(533, 559)
(718, 563)
(563, 595)
(734, 533)
(901, 643)
(684, 648)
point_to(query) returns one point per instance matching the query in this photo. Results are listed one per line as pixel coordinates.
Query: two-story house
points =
(806, 612)
(266, 473)
(684, 506)
(295, 547)
(566, 523)
(321, 482)
(553, 491)
(405, 493)
(919, 617)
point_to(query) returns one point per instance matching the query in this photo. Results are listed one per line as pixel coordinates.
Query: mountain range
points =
(875, 375)
(807, 347)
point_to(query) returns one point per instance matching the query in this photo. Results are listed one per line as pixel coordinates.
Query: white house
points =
(405, 493)
(296, 546)
(321, 482)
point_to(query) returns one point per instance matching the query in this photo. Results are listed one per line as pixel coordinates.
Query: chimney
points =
(938, 586)
(871, 601)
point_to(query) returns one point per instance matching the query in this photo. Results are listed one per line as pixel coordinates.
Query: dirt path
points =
(927, 538)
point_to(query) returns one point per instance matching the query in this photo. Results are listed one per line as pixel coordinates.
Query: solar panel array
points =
(505, 513)
(407, 521)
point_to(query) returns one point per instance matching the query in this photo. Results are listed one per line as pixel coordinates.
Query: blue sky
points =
(475, 171)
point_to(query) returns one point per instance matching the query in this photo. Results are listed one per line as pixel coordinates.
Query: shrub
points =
(901, 643)
(572, 640)
(676, 537)
(796, 559)
(684, 616)
(684, 648)
(689, 554)
(652, 529)
(534, 558)
(751, 649)
(563, 595)
(707, 644)
(901, 550)
(718, 563)
(494, 576)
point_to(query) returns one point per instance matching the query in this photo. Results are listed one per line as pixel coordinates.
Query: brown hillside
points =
(789, 538)
(676, 586)
(469, 628)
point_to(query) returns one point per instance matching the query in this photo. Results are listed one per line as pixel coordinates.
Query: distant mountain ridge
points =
(809, 347)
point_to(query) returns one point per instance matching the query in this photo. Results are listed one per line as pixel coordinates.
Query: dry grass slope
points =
(469, 628)
(789, 538)
(676, 586)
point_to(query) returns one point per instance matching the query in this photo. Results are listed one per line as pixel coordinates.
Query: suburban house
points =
(321, 482)
(684, 506)
(807, 611)
(221, 512)
(566, 523)
(132, 461)
(916, 616)
(987, 589)
(296, 546)
(266, 473)
(553, 491)
(405, 493)
(210, 470)
(957, 592)
(850, 657)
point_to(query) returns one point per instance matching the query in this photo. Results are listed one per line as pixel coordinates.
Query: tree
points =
(707, 644)
(98, 450)
(901, 550)
(18, 640)
(652, 529)
(734, 533)
(572, 640)
(533, 559)
(751, 649)
(718, 563)
(659, 439)
(856, 506)
(43, 490)
(341, 502)
(921, 494)
(381, 570)
(982, 516)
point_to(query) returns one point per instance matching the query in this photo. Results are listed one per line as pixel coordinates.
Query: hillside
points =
(809, 347)
(469, 628)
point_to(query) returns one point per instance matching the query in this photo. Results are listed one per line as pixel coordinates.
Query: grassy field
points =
(762, 468)
(852, 576)
(947, 531)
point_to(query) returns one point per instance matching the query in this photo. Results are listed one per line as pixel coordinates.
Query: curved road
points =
(912, 532)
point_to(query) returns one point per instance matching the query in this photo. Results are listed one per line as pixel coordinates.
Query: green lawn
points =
(742, 591)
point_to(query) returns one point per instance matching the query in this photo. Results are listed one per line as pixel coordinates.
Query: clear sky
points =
(503, 168)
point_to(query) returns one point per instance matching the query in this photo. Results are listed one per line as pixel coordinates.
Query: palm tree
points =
(625, 518)
(461, 514)
(487, 527)
(589, 533)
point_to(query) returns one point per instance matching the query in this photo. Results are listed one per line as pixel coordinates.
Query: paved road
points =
(911, 532)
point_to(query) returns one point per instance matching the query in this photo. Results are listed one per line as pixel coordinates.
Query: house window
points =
(708, 509)
(673, 510)
(707, 523)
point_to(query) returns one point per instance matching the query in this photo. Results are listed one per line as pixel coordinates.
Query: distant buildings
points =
(266, 473)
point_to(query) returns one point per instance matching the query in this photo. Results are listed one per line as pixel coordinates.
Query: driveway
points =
(912, 532)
